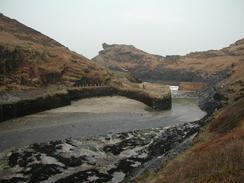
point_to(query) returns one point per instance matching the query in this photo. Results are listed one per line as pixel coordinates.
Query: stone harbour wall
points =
(44, 102)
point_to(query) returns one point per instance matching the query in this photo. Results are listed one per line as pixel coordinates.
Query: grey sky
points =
(163, 27)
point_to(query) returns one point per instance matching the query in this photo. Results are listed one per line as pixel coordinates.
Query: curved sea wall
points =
(87, 92)
(156, 102)
(30, 105)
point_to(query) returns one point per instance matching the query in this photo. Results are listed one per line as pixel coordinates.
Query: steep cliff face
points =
(31, 59)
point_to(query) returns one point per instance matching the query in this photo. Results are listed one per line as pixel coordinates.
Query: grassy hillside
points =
(217, 155)
(30, 59)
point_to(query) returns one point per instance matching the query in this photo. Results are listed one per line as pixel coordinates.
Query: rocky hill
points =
(217, 153)
(197, 66)
(210, 66)
(126, 59)
(29, 59)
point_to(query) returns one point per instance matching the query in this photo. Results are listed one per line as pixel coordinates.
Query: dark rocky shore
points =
(112, 158)
(120, 157)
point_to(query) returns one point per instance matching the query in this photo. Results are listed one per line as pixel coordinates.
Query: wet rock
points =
(109, 158)
(46, 148)
(39, 172)
(208, 102)
(14, 180)
(88, 175)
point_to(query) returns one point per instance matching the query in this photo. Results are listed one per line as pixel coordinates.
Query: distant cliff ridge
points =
(206, 66)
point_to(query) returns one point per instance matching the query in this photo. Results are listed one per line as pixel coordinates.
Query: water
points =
(93, 117)
(174, 90)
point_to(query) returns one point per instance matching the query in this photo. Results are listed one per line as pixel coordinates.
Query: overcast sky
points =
(163, 27)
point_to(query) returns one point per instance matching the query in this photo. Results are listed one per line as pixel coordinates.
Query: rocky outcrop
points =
(126, 58)
(208, 101)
